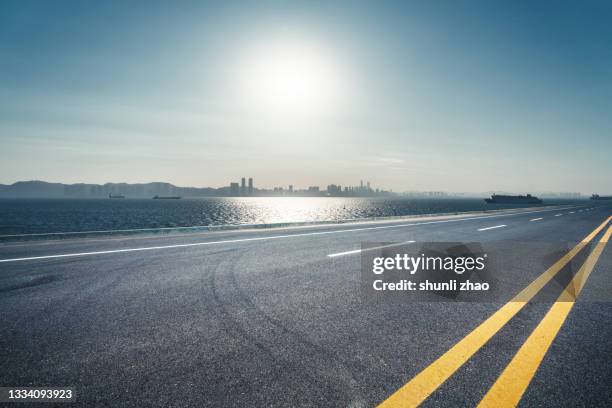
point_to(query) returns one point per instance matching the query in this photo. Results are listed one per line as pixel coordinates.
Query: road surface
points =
(275, 317)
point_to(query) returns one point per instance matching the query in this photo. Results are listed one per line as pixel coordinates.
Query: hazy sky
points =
(461, 96)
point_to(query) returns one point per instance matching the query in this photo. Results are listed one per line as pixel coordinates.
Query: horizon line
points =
(526, 191)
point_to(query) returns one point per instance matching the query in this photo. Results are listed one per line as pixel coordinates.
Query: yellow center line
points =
(427, 381)
(514, 380)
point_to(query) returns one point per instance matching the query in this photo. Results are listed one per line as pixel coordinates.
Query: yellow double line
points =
(510, 386)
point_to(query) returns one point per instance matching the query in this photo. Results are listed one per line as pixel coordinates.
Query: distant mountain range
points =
(43, 189)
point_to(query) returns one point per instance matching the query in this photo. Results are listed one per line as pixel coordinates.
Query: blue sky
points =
(461, 96)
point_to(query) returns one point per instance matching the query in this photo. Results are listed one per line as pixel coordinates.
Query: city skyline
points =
(37, 188)
(333, 190)
(419, 96)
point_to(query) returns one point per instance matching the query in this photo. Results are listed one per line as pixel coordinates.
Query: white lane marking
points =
(210, 227)
(558, 215)
(357, 251)
(571, 212)
(354, 251)
(115, 251)
(536, 219)
(489, 228)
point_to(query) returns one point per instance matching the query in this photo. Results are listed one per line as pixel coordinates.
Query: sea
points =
(43, 216)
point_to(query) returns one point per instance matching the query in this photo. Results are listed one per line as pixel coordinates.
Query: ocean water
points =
(35, 216)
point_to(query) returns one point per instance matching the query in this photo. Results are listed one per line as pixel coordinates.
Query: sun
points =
(290, 79)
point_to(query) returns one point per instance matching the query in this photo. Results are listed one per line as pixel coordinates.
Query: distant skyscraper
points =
(234, 189)
(250, 186)
(291, 188)
(334, 190)
(313, 190)
(243, 186)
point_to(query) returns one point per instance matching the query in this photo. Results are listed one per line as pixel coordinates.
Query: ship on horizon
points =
(598, 197)
(157, 197)
(513, 199)
(116, 196)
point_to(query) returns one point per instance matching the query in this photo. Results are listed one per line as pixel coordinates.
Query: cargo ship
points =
(116, 196)
(166, 197)
(598, 197)
(513, 199)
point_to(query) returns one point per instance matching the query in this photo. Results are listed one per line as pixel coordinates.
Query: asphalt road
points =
(268, 318)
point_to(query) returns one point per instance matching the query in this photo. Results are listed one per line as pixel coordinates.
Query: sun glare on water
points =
(290, 79)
